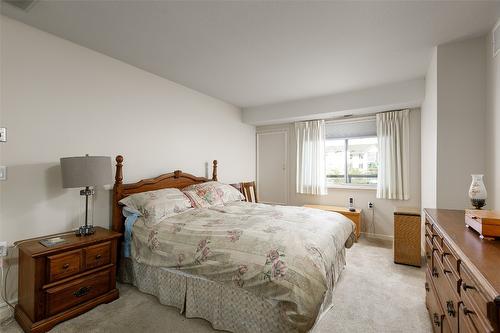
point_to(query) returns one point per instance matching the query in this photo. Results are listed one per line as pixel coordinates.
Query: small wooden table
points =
(61, 282)
(355, 216)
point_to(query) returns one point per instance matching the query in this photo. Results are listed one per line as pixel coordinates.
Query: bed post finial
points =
(119, 172)
(214, 171)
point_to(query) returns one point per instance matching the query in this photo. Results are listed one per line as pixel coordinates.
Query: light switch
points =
(3, 172)
(3, 134)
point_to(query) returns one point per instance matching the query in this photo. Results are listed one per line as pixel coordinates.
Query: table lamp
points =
(88, 172)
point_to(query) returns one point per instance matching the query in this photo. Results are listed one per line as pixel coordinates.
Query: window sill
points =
(352, 187)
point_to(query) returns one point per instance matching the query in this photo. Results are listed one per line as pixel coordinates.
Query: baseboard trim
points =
(377, 236)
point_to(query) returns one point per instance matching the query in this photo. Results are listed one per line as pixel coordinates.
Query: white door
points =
(272, 180)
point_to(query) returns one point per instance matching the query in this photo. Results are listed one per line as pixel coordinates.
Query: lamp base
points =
(85, 230)
(478, 203)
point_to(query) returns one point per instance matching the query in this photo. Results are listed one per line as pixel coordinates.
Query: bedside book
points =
(50, 242)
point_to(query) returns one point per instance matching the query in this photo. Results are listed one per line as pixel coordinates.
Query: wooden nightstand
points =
(355, 216)
(64, 281)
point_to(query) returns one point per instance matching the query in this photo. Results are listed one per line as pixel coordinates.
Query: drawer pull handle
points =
(435, 272)
(98, 256)
(426, 286)
(465, 286)
(468, 312)
(474, 217)
(66, 266)
(437, 320)
(447, 271)
(450, 308)
(446, 254)
(82, 291)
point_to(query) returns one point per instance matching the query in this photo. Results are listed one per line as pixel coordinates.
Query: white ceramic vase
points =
(477, 192)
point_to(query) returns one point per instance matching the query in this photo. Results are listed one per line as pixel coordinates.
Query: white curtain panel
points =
(311, 174)
(393, 132)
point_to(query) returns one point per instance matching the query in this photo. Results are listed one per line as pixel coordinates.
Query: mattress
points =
(286, 257)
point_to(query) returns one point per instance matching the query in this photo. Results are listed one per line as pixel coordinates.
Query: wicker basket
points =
(407, 236)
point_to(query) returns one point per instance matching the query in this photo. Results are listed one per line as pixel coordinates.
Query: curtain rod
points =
(355, 118)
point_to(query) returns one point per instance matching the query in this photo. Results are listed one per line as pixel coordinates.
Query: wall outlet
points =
(3, 172)
(3, 134)
(370, 205)
(3, 248)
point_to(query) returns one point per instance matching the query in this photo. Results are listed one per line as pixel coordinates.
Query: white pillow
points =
(227, 192)
(154, 206)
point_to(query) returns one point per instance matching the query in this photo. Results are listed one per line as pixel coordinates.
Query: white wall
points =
(382, 225)
(391, 96)
(492, 126)
(429, 136)
(461, 86)
(454, 123)
(60, 99)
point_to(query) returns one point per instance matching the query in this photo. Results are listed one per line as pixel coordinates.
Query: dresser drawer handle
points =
(446, 254)
(437, 320)
(66, 266)
(465, 286)
(435, 272)
(450, 308)
(447, 271)
(82, 291)
(468, 312)
(98, 256)
(426, 286)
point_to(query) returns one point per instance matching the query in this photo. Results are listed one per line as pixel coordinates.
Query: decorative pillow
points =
(155, 206)
(203, 196)
(227, 192)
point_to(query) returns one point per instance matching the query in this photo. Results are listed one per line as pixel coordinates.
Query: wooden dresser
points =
(463, 275)
(61, 282)
(355, 216)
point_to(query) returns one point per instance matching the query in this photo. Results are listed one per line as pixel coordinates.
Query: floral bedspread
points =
(284, 254)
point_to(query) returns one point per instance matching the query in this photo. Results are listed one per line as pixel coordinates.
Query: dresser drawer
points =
(450, 259)
(469, 320)
(470, 288)
(449, 300)
(97, 255)
(78, 291)
(432, 303)
(437, 243)
(446, 297)
(428, 250)
(64, 265)
(428, 228)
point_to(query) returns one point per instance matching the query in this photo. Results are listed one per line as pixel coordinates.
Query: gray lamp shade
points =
(82, 171)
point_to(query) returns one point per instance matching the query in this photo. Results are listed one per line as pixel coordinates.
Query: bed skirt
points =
(227, 308)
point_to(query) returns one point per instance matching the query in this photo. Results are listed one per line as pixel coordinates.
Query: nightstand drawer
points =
(78, 291)
(97, 255)
(64, 265)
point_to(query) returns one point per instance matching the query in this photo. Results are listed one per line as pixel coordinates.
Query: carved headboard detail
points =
(176, 179)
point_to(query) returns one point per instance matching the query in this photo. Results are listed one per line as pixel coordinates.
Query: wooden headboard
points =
(177, 179)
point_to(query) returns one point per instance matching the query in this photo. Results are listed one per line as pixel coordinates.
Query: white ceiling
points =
(253, 52)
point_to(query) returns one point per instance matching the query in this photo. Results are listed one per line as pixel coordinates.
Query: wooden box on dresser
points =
(64, 281)
(462, 276)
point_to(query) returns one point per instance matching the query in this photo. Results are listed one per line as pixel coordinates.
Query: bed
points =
(244, 267)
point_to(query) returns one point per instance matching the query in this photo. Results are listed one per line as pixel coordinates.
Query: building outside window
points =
(352, 153)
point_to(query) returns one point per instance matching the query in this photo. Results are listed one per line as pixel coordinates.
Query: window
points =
(352, 153)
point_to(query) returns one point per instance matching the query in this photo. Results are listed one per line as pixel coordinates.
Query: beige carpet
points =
(373, 295)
